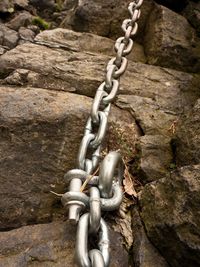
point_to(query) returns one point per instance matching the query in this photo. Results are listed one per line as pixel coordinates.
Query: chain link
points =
(105, 191)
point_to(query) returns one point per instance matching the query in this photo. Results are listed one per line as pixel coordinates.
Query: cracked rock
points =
(49, 245)
(170, 46)
(170, 212)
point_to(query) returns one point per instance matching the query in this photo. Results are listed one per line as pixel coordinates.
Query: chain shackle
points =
(74, 205)
(111, 163)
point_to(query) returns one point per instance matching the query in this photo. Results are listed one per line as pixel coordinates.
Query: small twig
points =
(87, 180)
(58, 195)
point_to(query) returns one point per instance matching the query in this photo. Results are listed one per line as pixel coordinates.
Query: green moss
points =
(59, 5)
(41, 23)
(172, 166)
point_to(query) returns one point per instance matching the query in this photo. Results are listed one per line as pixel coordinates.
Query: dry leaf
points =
(128, 183)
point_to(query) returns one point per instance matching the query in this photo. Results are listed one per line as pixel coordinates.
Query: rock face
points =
(8, 37)
(144, 253)
(87, 42)
(39, 143)
(40, 132)
(192, 13)
(103, 17)
(47, 80)
(152, 165)
(170, 211)
(49, 245)
(170, 46)
(188, 137)
(22, 19)
(8, 5)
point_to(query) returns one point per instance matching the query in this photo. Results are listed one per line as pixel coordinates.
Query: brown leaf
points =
(128, 183)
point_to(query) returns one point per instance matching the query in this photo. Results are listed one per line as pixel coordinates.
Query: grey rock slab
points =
(172, 90)
(144, 253)
(103, 17)
(86, 42)
(43, 4)
(2, 49)
(156, 156)
(192, 13)
(49, 245)
(56, 68)
(21, 19)
(147, 113)
(40, 136)
(26, 35)
(8, 37)
(83, 71)
(7, 5)
(170, 212)
(187, 140)
(170, 41)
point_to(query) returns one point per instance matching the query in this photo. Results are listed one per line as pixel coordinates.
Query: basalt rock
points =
(8, 37)
(8, 5)
(103, 17)
(48, 245)
(26, 35)
(170, 212)
(152, 165)
(171, 46)
(187, 141)
(192, 13)
(40, 135)
(71, 65)
(88, 42)
(144, 253)
(43, 114)
(22, 19)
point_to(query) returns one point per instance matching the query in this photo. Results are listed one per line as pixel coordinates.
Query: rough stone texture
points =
(192, 13)
(8, 37)
(170, 46)
(56, 69)
(152, 119)
(43, 4)
(21, 19)
(170, 212)
(49, 245)
(40, 136)
(155, 110)
(169, 90)
(2, 50)
(103, 17)
(188, 137)
(144, 253)
(82, 72)
(41, 127)
(6, 5)
(86, 42)
(155, 157)
(26, 35)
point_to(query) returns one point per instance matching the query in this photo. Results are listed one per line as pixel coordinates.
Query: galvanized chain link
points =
(105, 191)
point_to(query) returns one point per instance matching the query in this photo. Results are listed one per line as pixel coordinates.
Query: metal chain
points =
(105, 193)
